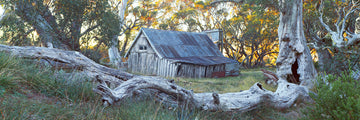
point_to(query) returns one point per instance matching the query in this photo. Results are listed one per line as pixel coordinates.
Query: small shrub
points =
(337, 98)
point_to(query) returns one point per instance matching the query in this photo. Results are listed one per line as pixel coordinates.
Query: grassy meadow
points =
(244, 81)
(31, 91)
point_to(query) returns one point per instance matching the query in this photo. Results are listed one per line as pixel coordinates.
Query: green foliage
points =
(343, 60)
(109, 27)
(250, 33)
(66, 21)
(94, 55)
(15, 31)
(337, 98)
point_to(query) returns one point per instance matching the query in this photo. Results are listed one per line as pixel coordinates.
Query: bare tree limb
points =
(337, 36)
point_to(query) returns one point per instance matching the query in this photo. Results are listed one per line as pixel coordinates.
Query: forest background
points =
(250, 36)
(249, 27)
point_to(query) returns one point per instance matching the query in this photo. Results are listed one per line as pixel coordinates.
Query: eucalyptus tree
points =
(64, 23)
(251, 34)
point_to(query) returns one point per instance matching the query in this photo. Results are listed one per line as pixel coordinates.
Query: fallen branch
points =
(128, 85)
(270, 76)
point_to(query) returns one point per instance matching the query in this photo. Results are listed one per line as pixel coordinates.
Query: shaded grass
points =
(18, 74)
(8, 65)
(23, 108)
(227, 84)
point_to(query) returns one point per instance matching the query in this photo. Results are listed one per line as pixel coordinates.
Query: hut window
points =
(142, 47)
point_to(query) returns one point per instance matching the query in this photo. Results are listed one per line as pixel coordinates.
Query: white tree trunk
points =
(294, 61)
(114, 53)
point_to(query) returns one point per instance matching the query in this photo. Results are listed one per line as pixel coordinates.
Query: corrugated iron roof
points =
(187, 47)
(205, 60)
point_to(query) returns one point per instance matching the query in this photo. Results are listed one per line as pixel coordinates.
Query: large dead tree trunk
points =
(294, 62)
(128, 85)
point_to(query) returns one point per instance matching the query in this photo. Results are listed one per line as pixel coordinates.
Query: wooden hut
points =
(178, 54)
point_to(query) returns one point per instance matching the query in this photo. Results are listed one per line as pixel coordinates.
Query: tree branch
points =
(321, 18)
(337, 36)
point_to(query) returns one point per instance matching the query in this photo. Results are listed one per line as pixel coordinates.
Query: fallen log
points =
(69, 58)
(129, 85)
(286, 95)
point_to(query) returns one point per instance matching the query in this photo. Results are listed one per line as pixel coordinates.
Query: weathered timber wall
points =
(198, 71)
(145, 63)
(150, 64)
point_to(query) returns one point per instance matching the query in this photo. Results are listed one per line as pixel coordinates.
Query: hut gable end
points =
(142, 45)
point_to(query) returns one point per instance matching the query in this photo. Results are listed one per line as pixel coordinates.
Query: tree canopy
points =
(249, 26)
